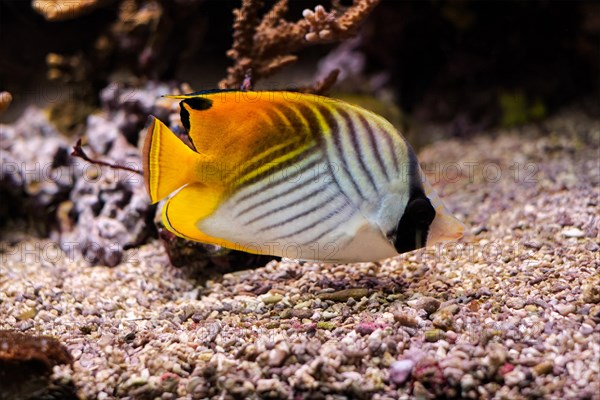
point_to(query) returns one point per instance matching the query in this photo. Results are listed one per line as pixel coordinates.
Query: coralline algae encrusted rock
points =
(110, 207)
(36, 171)
(93, 212)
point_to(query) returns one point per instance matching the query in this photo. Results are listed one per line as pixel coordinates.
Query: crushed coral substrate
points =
(511, 312)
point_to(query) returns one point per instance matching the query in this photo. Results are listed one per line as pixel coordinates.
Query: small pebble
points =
(429, 304)
(344, 295)
(400, 371)
(434, 335)
(586, 329)
(514, 377)
(278, 355)
(565, 309)
(543, 368)
(326, 325)
(573, 232)
(267, 385)
(366, 328)
(467, 382)
(405, 319)
(444, 318)
(271, 299)
(515, 302)
(591, 292)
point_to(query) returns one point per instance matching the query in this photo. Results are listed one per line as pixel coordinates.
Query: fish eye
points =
(422, 211)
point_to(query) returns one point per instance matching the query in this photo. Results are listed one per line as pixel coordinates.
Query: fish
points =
(293, 175)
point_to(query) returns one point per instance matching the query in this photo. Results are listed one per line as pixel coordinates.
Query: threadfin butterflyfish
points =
(292, 175)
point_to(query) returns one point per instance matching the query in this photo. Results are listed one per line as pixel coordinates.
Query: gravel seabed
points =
(511, 312)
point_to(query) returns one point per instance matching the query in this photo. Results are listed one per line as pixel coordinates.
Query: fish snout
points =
(445, 228)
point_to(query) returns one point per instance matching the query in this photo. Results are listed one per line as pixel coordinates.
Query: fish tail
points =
(168, 162)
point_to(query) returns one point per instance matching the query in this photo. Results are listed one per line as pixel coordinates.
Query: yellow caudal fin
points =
(168, 163)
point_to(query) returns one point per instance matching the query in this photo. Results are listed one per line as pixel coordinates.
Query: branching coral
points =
(322, 86)
(268, 45)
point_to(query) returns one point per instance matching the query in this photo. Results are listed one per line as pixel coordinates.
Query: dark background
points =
(467, 63)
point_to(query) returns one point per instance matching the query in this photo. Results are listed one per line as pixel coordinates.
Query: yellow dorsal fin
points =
(168, 162)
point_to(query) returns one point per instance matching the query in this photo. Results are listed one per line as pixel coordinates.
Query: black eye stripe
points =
(414, 225)
(421, 211)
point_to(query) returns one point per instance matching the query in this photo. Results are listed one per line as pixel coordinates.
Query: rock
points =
(101, 136)
(506, 369)
(344, 295)
(434, 335)
(111, 208)
(203, 261)
(444, 318)
(420, 392)
(268, 385)
(586, 329)
(271, 299)
(451, 336)
(429, 304)
(591, 291)
(327, 315)
(543, 368)
(326, 325)
(595, 313)
(565, 309)
(467, 382)
(515, 302)
(573, 233)
(278, 355)
(496, 354)
(301, 313)
(514, 377)
(195, 386)
(26, 363)
(405, 319)
(428, 373)
(37, 172)
(400, 371)
(366, 328)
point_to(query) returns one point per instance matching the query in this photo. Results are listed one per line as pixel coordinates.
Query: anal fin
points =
(183, 213)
